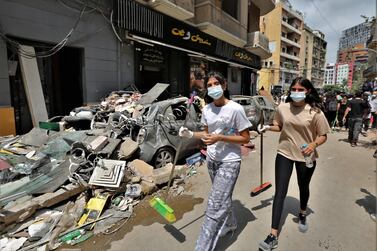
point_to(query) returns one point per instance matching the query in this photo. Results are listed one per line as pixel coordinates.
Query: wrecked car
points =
(253, 106)
(158, 138)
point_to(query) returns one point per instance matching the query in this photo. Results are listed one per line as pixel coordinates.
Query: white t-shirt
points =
(229, 119)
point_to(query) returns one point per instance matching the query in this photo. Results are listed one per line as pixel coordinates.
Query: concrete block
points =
(135, 179)
(141, 168)
(127, 148)
(147, 187)
(98, 143)
(161, 175)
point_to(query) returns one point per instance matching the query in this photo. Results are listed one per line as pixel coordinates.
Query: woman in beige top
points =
(301, 123)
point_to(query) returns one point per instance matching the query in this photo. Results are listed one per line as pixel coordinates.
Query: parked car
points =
(158, 138)
(253, 106)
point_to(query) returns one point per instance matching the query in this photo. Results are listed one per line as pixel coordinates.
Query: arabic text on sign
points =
(187, 36)
(242, 56)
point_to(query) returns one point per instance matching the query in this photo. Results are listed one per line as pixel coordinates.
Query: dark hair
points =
(312, 98)
(358, 94)
(222, 81)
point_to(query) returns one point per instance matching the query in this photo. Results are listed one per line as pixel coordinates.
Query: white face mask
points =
(298, 96)
(215, 92)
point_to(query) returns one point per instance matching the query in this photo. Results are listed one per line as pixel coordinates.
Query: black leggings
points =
(283, 171)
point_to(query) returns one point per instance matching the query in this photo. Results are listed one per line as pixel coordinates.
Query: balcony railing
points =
(288, 41)
(212, 20)
(179, 9)
(257, 43)
(287, 25)
(286, 55)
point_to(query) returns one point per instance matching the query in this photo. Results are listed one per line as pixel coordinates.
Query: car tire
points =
(163, 156)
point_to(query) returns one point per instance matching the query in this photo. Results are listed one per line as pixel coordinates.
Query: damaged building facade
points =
(86, 50)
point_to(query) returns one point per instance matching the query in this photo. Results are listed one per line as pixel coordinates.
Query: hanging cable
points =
(16, 46)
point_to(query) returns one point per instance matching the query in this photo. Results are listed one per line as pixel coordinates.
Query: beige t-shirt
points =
(299, 125)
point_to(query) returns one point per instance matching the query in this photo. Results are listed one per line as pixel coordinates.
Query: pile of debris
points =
(62, 186)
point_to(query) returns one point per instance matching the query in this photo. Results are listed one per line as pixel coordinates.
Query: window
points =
(230, 7)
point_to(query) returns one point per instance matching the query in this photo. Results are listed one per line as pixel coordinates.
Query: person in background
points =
(373, 110)
(226, 128)
(367, 116)
(356, 109)
(300, 121)
(331, 106)
(341, 109)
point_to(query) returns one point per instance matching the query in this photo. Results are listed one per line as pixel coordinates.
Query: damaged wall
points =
(106, 65)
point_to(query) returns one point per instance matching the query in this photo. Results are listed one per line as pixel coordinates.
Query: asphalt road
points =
(343, 195)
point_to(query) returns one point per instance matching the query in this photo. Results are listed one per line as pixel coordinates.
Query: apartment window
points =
(230, 7)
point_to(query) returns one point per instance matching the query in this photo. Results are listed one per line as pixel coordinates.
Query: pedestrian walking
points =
(301, 122)
(331, 106)
(356, 110)
(226, 128)
(373, 110)
(341, 109)
(367, 116)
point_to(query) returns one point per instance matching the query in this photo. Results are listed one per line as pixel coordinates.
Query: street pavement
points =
(343, 195)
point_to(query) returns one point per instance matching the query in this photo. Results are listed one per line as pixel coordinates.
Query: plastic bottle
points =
(72, 235)
(308, 159)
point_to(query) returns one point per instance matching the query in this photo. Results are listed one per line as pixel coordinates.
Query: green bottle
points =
(72, 235)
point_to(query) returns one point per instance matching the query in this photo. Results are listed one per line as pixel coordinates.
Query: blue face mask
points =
(215, 92)
(298, 96)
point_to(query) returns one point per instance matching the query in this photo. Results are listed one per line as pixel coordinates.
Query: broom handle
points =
(261, 148)
(190, 101)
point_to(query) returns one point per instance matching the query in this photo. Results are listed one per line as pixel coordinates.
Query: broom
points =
(157, 203)
(263, 186)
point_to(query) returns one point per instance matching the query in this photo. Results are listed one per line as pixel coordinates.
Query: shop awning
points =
(193, 53)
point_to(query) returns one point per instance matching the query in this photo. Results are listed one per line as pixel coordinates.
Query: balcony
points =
(290, 27)
(265, 6)
(287, 70)
(179, 9)
(289, 56)
(288, 41)
(212, 20)
(257, 43)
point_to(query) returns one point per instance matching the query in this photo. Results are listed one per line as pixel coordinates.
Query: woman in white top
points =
(226, 127)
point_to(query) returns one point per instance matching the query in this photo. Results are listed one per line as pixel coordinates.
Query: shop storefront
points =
(171, 51)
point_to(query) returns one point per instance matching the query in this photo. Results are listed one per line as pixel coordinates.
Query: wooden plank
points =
(33, 86)
(21, 212)
(7, 121)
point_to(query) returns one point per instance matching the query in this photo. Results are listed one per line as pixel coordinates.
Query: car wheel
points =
(163, 156)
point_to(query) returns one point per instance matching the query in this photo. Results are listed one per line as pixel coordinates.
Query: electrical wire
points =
(16, 46)
(323, 16)
(114, 30)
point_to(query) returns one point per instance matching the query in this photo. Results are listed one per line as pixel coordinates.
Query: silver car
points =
(158, 138)
(253, 106)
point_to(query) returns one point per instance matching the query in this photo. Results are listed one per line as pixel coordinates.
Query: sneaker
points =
(302, 224)
(269, 243)
(227, 229)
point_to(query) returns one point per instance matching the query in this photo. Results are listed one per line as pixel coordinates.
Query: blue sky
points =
(334, 17)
